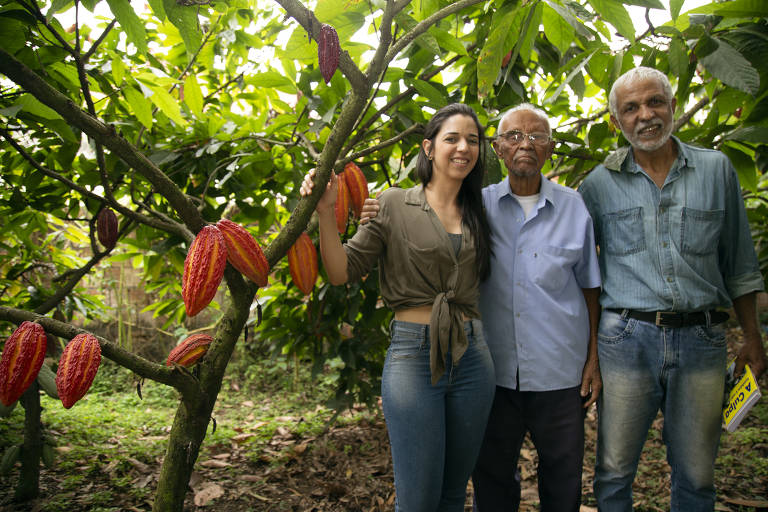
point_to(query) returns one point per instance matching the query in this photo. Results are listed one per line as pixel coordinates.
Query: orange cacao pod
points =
(190, 350)
(302, 262)
(243, 252)
(357, 186)
(21, 361)
(77, 368)
(106, 228)
(203, 269)
(342, 204)
(328, 51)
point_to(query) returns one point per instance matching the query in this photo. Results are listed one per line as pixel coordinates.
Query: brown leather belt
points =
(674, 319)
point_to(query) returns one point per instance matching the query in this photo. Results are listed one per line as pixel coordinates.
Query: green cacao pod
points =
(243, 252)
(203, 269)
(302, 263)
(77, 368)
(190, 350)
(47, 380)
(106, 228)
(21, 360)
(10, 456)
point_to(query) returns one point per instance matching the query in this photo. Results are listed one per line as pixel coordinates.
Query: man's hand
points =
(591, 381)
(753, 354)
(328, 199)
(370, 210)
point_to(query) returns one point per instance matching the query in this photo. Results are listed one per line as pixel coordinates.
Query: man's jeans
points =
(646, 368)
(435, 431)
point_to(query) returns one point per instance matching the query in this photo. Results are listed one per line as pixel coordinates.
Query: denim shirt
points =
(534, 314)
(685, 247)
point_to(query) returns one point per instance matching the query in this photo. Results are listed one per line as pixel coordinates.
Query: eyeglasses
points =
(516, 137)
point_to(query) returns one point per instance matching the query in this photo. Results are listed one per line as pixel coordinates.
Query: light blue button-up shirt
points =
(685, 247)
(533, 309)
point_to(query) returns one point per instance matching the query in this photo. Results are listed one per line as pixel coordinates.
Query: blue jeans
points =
(646, 368)
(435, 432)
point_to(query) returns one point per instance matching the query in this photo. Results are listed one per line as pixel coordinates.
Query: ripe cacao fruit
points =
(106, 228)
(302, 262)
(342, 204)
(243, 252)
(77, 367)
(357, 186)
(21, 360)
(328, 51)
(190, 350)
(203, 269)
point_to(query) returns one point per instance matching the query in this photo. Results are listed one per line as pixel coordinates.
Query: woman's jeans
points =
(435, 432)
(646, 368)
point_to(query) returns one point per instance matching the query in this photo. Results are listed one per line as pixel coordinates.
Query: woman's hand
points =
(328, 199)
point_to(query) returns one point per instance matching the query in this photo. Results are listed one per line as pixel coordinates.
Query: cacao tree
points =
(188, 113)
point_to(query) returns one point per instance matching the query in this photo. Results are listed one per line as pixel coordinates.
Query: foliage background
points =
(226, 98)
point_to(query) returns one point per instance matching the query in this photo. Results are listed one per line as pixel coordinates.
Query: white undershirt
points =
(527, 203)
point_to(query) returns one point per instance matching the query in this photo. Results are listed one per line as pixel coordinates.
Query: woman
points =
(432, 244)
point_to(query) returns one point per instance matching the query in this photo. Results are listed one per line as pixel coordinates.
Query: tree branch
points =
(683, 119)
(372, 149)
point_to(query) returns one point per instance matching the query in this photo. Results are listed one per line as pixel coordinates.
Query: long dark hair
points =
(470, 196)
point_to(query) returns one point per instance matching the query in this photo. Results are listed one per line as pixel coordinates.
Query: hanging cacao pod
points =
(302, 262)
(328, 51)
(357, 186)
(342, 204)
(21, 360)
(77, 368)
(190, 350)
(243, 252)
(203, 269)
(106, 228)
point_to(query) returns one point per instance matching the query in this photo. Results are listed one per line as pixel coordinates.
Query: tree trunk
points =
(28, 486)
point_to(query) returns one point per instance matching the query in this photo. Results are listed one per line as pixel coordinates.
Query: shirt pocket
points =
(554, 267)
(700, 231)
(624, 232)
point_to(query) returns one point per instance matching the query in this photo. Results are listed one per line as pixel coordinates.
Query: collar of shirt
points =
(546, 189)
(623, 159)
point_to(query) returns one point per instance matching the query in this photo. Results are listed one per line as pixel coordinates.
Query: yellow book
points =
(742, 397)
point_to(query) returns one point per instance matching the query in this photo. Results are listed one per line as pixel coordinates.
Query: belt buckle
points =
(666, 319)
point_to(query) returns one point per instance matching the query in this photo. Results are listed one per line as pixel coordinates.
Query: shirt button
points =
(669, 279)
(664, 244)
(517, 315)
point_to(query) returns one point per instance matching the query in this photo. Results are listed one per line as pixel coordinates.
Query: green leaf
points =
(744, 164)
(140, 106)
(167, 104)
(614, 13)
(56, 7)
(757, 134)
(193, 96)
(557, 29)
(674, 8)
(273, 80)
(33, 106)
(184, 18)
(448, 41)
(438, 98)
(118, 69)
(678, 57)
(651, 4)
(489, 60)
(730, 67)
(158, 9)
(571, 18)
(735, 9)
(12, 35)
(576, 70)
(131, 23)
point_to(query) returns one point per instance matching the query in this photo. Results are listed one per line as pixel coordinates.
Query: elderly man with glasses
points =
(540, 312)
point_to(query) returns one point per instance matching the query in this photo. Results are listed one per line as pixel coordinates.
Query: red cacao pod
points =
(302, 262)
(190, 350)
(21, 360)
(328, 51)
(203, 269)
(357, 186)
(77, 368)
(342, 204)
(106, 228)
(243, 252)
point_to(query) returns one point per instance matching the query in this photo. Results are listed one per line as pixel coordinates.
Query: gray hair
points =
(638, 73)
(530, 108)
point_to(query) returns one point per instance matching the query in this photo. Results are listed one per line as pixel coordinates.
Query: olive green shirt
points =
(418, 267)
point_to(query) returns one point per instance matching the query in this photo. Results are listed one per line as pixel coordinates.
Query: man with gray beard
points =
(674, 247)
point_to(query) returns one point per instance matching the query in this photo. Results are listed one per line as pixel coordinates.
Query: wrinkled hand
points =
(591, 382)
(754, 355)
(328, 199)
(370, 210)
